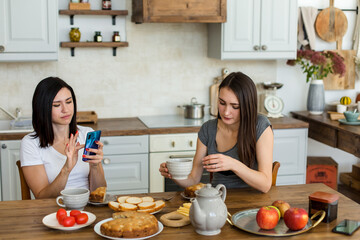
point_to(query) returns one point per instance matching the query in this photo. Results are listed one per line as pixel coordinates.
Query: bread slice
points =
(114, 205)
(147, 199)
(146, 205)
(122, 199)
(127, 207)
(159, 204)
(133, 200)
(149, 210)
(98, 195)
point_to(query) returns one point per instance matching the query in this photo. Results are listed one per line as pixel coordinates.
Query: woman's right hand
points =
(71, 151)
(164, 170)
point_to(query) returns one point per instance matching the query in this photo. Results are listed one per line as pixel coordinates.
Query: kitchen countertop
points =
(171, 124)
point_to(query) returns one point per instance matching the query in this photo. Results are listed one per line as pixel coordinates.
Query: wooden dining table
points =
(23, 219)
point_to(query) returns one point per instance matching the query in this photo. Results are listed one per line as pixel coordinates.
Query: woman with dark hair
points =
(237, 147)
(51, 156)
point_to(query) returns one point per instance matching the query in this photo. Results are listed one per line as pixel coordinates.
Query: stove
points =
(168, 121)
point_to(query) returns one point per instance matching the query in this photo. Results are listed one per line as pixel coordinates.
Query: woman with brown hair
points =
(237, 147)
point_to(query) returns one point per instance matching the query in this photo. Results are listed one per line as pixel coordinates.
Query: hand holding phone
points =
(347, 227)
(90, 140)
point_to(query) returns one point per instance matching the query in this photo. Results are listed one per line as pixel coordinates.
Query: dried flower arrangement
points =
(317, 65)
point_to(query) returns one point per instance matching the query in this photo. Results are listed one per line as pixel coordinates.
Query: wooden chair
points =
(25, 190)
(275, 168)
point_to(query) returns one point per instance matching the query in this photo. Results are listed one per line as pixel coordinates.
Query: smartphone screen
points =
(91, 137)
(347, 227)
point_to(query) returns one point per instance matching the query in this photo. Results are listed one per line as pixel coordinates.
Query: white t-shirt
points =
(32, 154)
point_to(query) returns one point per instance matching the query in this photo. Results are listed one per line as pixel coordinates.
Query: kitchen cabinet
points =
(203, 11)
(10, 179)
(290, 149)
(255, 29)
(126, 164)
(28, 30)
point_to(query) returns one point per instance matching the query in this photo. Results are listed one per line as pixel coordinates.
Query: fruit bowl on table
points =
(246, 221)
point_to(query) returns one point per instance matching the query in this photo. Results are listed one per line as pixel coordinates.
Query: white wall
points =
(294, 91)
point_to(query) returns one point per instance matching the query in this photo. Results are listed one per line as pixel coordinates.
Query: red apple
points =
(296, 218)
(282, 206)
(267, 217)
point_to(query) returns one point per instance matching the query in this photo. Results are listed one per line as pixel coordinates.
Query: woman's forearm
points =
(53, 190)
(96, 176)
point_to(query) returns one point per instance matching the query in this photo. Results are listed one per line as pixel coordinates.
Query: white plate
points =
(51, 221)
(97, 230)
(108, 198)
(185, 197)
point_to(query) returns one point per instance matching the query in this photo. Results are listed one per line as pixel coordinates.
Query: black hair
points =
(245, 91)
(42, 102)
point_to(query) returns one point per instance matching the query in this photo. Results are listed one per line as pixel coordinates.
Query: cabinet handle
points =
(264, 47)
(256, 48)
(191, 143)
(106, 142)
(2, 48)
(106, 161)
(182, 156)
(173, 143)
(3, 146)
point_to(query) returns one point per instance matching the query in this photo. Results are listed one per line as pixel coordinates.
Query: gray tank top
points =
(207, 136)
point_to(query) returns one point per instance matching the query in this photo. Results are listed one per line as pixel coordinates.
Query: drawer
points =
(173, 142)
(125, 144)
(126, 173)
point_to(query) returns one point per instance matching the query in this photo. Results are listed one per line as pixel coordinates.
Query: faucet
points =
(18, 112)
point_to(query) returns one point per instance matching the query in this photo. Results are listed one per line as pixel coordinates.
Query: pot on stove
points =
(194, 110)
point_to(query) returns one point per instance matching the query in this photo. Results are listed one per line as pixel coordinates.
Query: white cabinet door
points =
(255, 29)
(28, 30)
(10, 179)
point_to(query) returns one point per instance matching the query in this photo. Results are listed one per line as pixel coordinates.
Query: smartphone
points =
(91, 137)
(347, 227)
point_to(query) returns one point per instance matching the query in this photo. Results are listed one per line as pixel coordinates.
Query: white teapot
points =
(208, 211)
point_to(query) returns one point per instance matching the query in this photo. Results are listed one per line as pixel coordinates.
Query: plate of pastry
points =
(51, 221)
(107, 199)
(129, 225)
(145, 204)
(99, 197)
(189, 192)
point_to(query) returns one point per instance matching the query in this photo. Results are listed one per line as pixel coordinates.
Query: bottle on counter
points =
(106, 5)
(116, 37)
(74, 34)
(97, 37)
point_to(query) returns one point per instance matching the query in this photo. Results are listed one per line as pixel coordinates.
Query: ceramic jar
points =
(74, 34)
(208, 211)
(316, 97)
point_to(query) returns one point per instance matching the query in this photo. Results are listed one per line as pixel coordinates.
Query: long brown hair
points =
(245, 91)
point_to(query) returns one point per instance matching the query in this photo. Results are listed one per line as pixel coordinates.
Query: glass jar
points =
(116, 37)
(106, 5)
(74, 34)
(97, 37)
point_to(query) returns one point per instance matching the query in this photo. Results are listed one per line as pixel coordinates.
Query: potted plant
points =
(317, 65)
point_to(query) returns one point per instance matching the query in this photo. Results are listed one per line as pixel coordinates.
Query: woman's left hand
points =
(96, 159)
(218, 163)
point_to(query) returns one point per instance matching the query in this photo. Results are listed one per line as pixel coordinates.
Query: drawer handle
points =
(2, 48)
(106, 161)
(182, 156)
(191, 143)
(106, 142)
(173, 143)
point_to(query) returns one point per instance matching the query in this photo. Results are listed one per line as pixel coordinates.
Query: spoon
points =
(355, 110)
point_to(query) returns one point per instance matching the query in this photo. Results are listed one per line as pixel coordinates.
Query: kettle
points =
(208, 211)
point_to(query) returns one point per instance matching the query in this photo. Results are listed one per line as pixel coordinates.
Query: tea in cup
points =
(74, 198)
(179, 168)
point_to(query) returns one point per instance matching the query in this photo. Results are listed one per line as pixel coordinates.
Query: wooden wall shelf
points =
(73, 45)
(112, 13)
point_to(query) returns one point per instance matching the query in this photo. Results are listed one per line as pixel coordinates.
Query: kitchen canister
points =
(194, 110)
(316, 97)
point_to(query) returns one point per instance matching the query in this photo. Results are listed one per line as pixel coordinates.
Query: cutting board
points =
(335, 82)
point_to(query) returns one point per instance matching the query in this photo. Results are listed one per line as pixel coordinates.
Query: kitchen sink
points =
(16, 126)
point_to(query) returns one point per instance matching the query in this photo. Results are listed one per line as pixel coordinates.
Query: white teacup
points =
(341, 108)
(179, 168)
(74, 198)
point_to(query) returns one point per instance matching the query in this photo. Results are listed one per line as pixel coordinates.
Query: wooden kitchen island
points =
(23, 219)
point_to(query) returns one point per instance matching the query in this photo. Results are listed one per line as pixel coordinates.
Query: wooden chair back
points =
(275, 168)
(25, 190)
